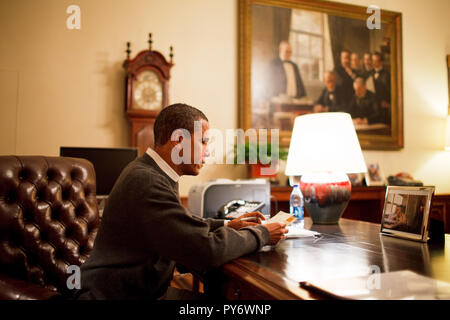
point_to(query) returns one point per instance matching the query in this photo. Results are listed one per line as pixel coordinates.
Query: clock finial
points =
(150, 41)
(171, 54)
(128, 51)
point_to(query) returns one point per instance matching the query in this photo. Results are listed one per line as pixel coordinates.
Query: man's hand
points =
(320, 108)
(277, 232)
(350, 72)
(246, 220)
(360, 121)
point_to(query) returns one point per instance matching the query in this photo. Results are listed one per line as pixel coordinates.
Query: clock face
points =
(147, 91)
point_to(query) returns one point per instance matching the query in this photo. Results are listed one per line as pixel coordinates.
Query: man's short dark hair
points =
(175, 116)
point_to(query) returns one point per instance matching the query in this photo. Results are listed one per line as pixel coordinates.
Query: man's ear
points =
(178, 140)
(180, 152)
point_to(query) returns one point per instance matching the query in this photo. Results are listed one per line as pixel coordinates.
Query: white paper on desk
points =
(298, 232)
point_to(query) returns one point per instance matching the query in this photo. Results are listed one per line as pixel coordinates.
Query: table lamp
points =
(323, 149)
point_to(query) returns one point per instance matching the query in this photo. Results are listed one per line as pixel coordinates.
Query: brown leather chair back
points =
(48, 217)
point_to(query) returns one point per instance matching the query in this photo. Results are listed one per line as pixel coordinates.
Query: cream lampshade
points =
(324, 147)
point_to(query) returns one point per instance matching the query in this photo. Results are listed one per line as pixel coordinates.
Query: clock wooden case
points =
(147, 87)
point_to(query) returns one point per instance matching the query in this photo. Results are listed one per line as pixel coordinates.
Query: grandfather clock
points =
(147, 92)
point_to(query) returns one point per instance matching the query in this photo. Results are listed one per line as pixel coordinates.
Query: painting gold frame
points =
(390, 141)
(448, 82)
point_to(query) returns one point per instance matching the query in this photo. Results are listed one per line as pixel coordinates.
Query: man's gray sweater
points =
(145, 231)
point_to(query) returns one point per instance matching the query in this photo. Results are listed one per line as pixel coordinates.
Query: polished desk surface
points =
(351, 248)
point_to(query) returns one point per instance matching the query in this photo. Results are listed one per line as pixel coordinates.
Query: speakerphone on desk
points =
(235, 208)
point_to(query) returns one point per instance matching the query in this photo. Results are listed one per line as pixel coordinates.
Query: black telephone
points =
(235, 208)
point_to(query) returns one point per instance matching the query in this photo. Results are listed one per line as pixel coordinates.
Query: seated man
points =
(367, 65)
(345, 75)
(355, 64)
(145, 230)
(284, 76)
(363, 107)
(331, 99)
(382, 85)
(398, 220)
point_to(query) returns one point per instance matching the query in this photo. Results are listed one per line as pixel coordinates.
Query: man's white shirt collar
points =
(166, 168)
(163, 164)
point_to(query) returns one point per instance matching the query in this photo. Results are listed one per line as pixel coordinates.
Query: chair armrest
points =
(15, 289)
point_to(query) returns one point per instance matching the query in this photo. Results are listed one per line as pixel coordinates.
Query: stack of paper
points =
(299, 232)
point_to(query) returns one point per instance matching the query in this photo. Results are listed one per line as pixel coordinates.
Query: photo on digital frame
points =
(406, 212)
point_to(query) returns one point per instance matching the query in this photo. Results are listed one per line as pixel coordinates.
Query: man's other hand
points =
(246, 220)
(277, 232)
(360, 121)
(320, 108)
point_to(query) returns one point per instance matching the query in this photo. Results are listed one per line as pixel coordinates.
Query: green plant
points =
(253, 149)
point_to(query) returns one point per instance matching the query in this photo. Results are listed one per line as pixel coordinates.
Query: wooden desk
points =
(347, 249)
(366, 204)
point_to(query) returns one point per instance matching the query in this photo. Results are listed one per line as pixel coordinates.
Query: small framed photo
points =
(374, 176)
(406, 212)
(356, 179)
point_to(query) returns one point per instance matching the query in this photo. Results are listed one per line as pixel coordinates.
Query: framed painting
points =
(448, 83)
(303, 56)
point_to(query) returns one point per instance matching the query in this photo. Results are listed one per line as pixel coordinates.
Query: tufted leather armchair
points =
(48, 220)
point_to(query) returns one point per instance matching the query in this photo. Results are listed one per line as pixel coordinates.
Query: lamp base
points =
(326, 196)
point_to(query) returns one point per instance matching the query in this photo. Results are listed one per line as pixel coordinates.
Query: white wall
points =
(65, 87)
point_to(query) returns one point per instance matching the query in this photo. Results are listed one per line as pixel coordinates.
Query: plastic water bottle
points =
(296, 205)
